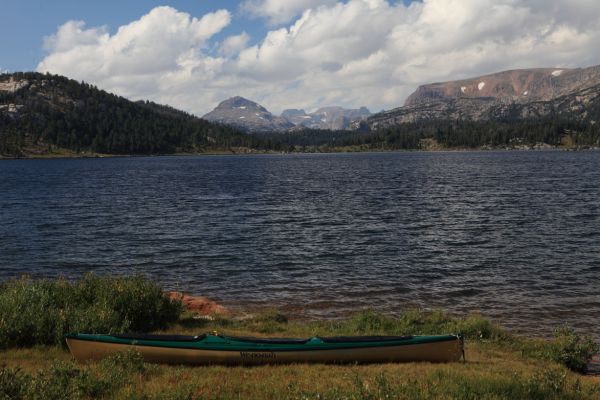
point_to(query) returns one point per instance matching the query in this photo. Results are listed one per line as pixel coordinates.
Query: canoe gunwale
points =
(235, 346)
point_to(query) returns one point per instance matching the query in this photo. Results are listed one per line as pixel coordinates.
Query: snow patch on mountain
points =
(334, 118)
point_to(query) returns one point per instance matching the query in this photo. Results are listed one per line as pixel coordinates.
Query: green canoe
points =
(222, 349)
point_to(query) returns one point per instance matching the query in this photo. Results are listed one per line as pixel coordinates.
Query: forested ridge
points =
(579, 128)
(45, 112)
(54, 111)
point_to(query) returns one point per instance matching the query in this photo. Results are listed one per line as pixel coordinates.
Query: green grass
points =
(499, 365)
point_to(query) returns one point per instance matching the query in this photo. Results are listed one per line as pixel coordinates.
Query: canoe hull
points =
(442, 351)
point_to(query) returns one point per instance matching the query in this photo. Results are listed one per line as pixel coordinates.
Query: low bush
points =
(41, 312)
(572, 350)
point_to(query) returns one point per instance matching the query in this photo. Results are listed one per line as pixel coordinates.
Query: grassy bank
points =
(499, 365)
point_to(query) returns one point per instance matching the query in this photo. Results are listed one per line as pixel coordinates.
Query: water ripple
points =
(513, 235)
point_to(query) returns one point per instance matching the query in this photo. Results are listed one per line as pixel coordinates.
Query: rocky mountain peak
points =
(241, 103)
(247, 115)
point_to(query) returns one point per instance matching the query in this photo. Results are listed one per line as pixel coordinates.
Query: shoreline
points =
(252, 152)
(203, 308)
(206, 306)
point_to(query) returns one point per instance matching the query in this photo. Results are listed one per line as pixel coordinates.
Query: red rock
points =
(198, 304)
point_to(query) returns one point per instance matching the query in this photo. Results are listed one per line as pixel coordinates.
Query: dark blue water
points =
(515, 235)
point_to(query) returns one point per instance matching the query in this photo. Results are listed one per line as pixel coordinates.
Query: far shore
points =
(245, 151)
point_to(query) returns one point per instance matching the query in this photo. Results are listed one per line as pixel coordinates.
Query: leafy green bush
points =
(42, 311)
(476, 327)
(572, 350)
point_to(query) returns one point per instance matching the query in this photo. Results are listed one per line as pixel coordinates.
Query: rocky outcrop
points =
(13, 85)
(247, 115)
(198, 304)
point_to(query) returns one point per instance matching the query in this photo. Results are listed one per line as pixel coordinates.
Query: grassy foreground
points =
(499, 365)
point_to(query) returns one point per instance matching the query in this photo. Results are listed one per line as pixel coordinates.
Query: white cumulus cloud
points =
(234, 44)
(131, 61)
(352, 53)
(280, 11)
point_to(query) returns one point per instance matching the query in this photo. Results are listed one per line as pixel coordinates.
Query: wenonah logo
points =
(257, 355)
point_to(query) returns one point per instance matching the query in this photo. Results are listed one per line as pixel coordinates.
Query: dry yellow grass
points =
(498, 366)
(490, 371)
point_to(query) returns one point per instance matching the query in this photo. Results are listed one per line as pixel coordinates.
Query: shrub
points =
(477, 327)
(34, 312)
(572, 350)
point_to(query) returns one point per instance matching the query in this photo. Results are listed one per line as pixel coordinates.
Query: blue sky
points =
(30, 20)
(192, 54)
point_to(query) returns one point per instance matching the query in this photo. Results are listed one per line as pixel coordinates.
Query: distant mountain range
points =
(526, 93)
(333, 118)
(42, 114)
(252, 117)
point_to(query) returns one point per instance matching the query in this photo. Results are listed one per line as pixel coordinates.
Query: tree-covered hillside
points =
(45, 111)
(511, 132)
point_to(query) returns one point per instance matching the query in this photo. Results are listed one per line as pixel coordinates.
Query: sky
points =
(192, 54)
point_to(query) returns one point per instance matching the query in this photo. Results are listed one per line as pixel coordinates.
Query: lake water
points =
(514, 235)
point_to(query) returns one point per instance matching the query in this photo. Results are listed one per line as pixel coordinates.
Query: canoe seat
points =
(165, 338)
(360, 339)
(265, 340)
